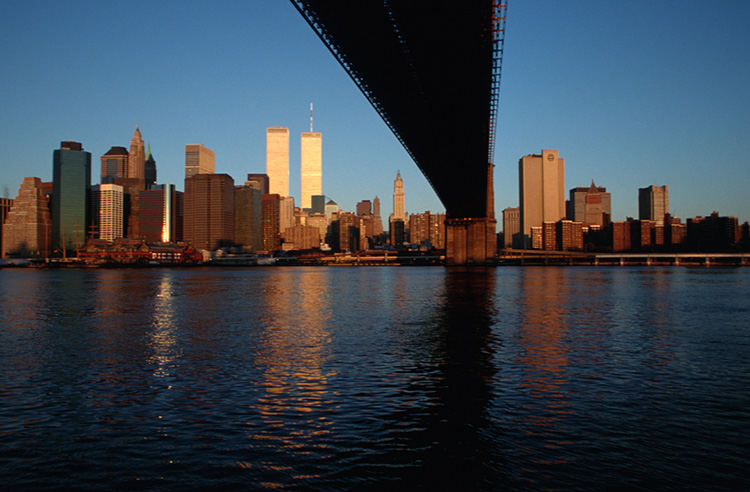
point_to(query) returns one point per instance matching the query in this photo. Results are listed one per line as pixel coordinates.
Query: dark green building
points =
(71, 176)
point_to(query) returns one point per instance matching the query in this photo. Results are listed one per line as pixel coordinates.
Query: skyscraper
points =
(110, 210)
(364, 208)
(541, 182)
(209, 210)
(277, 160)
(161, 213)
(149, 172)
(311, 170)
(27, 229)
(71, 176)
(653, 203)
(258, 182)
(399, 210)
(248, 217)
(114, 164)
(198, 160)
(137, 156)
(590, 205)
(270, 208)
(511, 227)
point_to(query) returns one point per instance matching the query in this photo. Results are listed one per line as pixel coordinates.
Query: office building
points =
(107, 210)
(427, 228)
(258, 182)
(348, 232)
(149, 171)
(114, 164)
(27, 228)
(198, 160)
(301, 237)
(331, 211)
(569, 235)
(364, 208)
(318, 204)
(137, 156)
(319, 221)
(208, 220)
(71, 177)
(399, 206)
(512, 228)
(271, 211)
(541, 180)
(590, 205)
(248, 217)
(277, 160)
(5, 205)
(377, 221)
(286, 213)
(161, 211)
(653, 203)
(311, 169)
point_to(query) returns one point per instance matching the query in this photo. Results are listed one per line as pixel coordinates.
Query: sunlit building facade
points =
(541, 180)
(311, 169)
(209, 211)
(110, 210)
(198, 160)
(161, 213)
(27, 229)
(277, 160)
(114, 164)
(653, 203)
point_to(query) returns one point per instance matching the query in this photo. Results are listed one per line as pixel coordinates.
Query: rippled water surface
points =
(352, 378)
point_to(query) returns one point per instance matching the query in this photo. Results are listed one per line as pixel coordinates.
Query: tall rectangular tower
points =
(110, 209)
(312, 167)
(277, 160)
(653, 203)
(541, 182)
(209, 210)
(71, 176)
(198, 160)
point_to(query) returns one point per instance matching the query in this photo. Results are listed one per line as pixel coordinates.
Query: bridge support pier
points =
(470, 241)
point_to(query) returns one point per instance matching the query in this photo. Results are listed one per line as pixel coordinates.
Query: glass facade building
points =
(71, 171)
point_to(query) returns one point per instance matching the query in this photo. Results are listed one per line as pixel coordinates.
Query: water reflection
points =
(163, 334)
(291, 357)
(543, 355)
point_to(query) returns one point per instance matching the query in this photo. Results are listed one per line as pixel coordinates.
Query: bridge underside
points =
(431, 70)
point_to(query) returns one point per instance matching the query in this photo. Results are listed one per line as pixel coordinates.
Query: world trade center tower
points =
(311, 168)
(277, 160)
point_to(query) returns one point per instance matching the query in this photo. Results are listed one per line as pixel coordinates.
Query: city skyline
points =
(622, 118)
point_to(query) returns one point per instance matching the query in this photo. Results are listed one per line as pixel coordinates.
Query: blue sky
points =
(631, 94)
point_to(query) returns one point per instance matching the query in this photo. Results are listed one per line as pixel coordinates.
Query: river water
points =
(357, 378)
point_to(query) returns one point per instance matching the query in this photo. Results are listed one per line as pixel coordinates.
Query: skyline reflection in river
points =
(365, 377)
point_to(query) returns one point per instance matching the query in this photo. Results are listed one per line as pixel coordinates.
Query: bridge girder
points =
(432, 72)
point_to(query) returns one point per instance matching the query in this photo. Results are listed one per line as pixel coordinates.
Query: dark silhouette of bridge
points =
(432, 72)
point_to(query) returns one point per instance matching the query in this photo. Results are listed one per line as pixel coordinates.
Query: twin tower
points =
(311, 168)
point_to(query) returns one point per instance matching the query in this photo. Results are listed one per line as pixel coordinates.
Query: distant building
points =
(161, 214)
(364, 208)
(302, 237)
(590, 205)
(512, 228)
(427, 227)
(259, 182)
(348, 228)
(114, 164)
(277, 160)
(71, 171)
(569, 235)
(319, 221)
(27, 228)
(209, 211)
(712, 234)
(271, 211)
(397, 233)
(109, 210)
(137, 156)
(198, 160)
(311, 169)
(132, 188)
(318, 204)
(331, 209)
(150, 169)
(641, 234)
(399, 201)
(248, 217)
(541, 180)
(653, 203)
(286, 213)
(5, 205)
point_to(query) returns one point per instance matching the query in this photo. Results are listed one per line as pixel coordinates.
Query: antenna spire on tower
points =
(311, 117)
